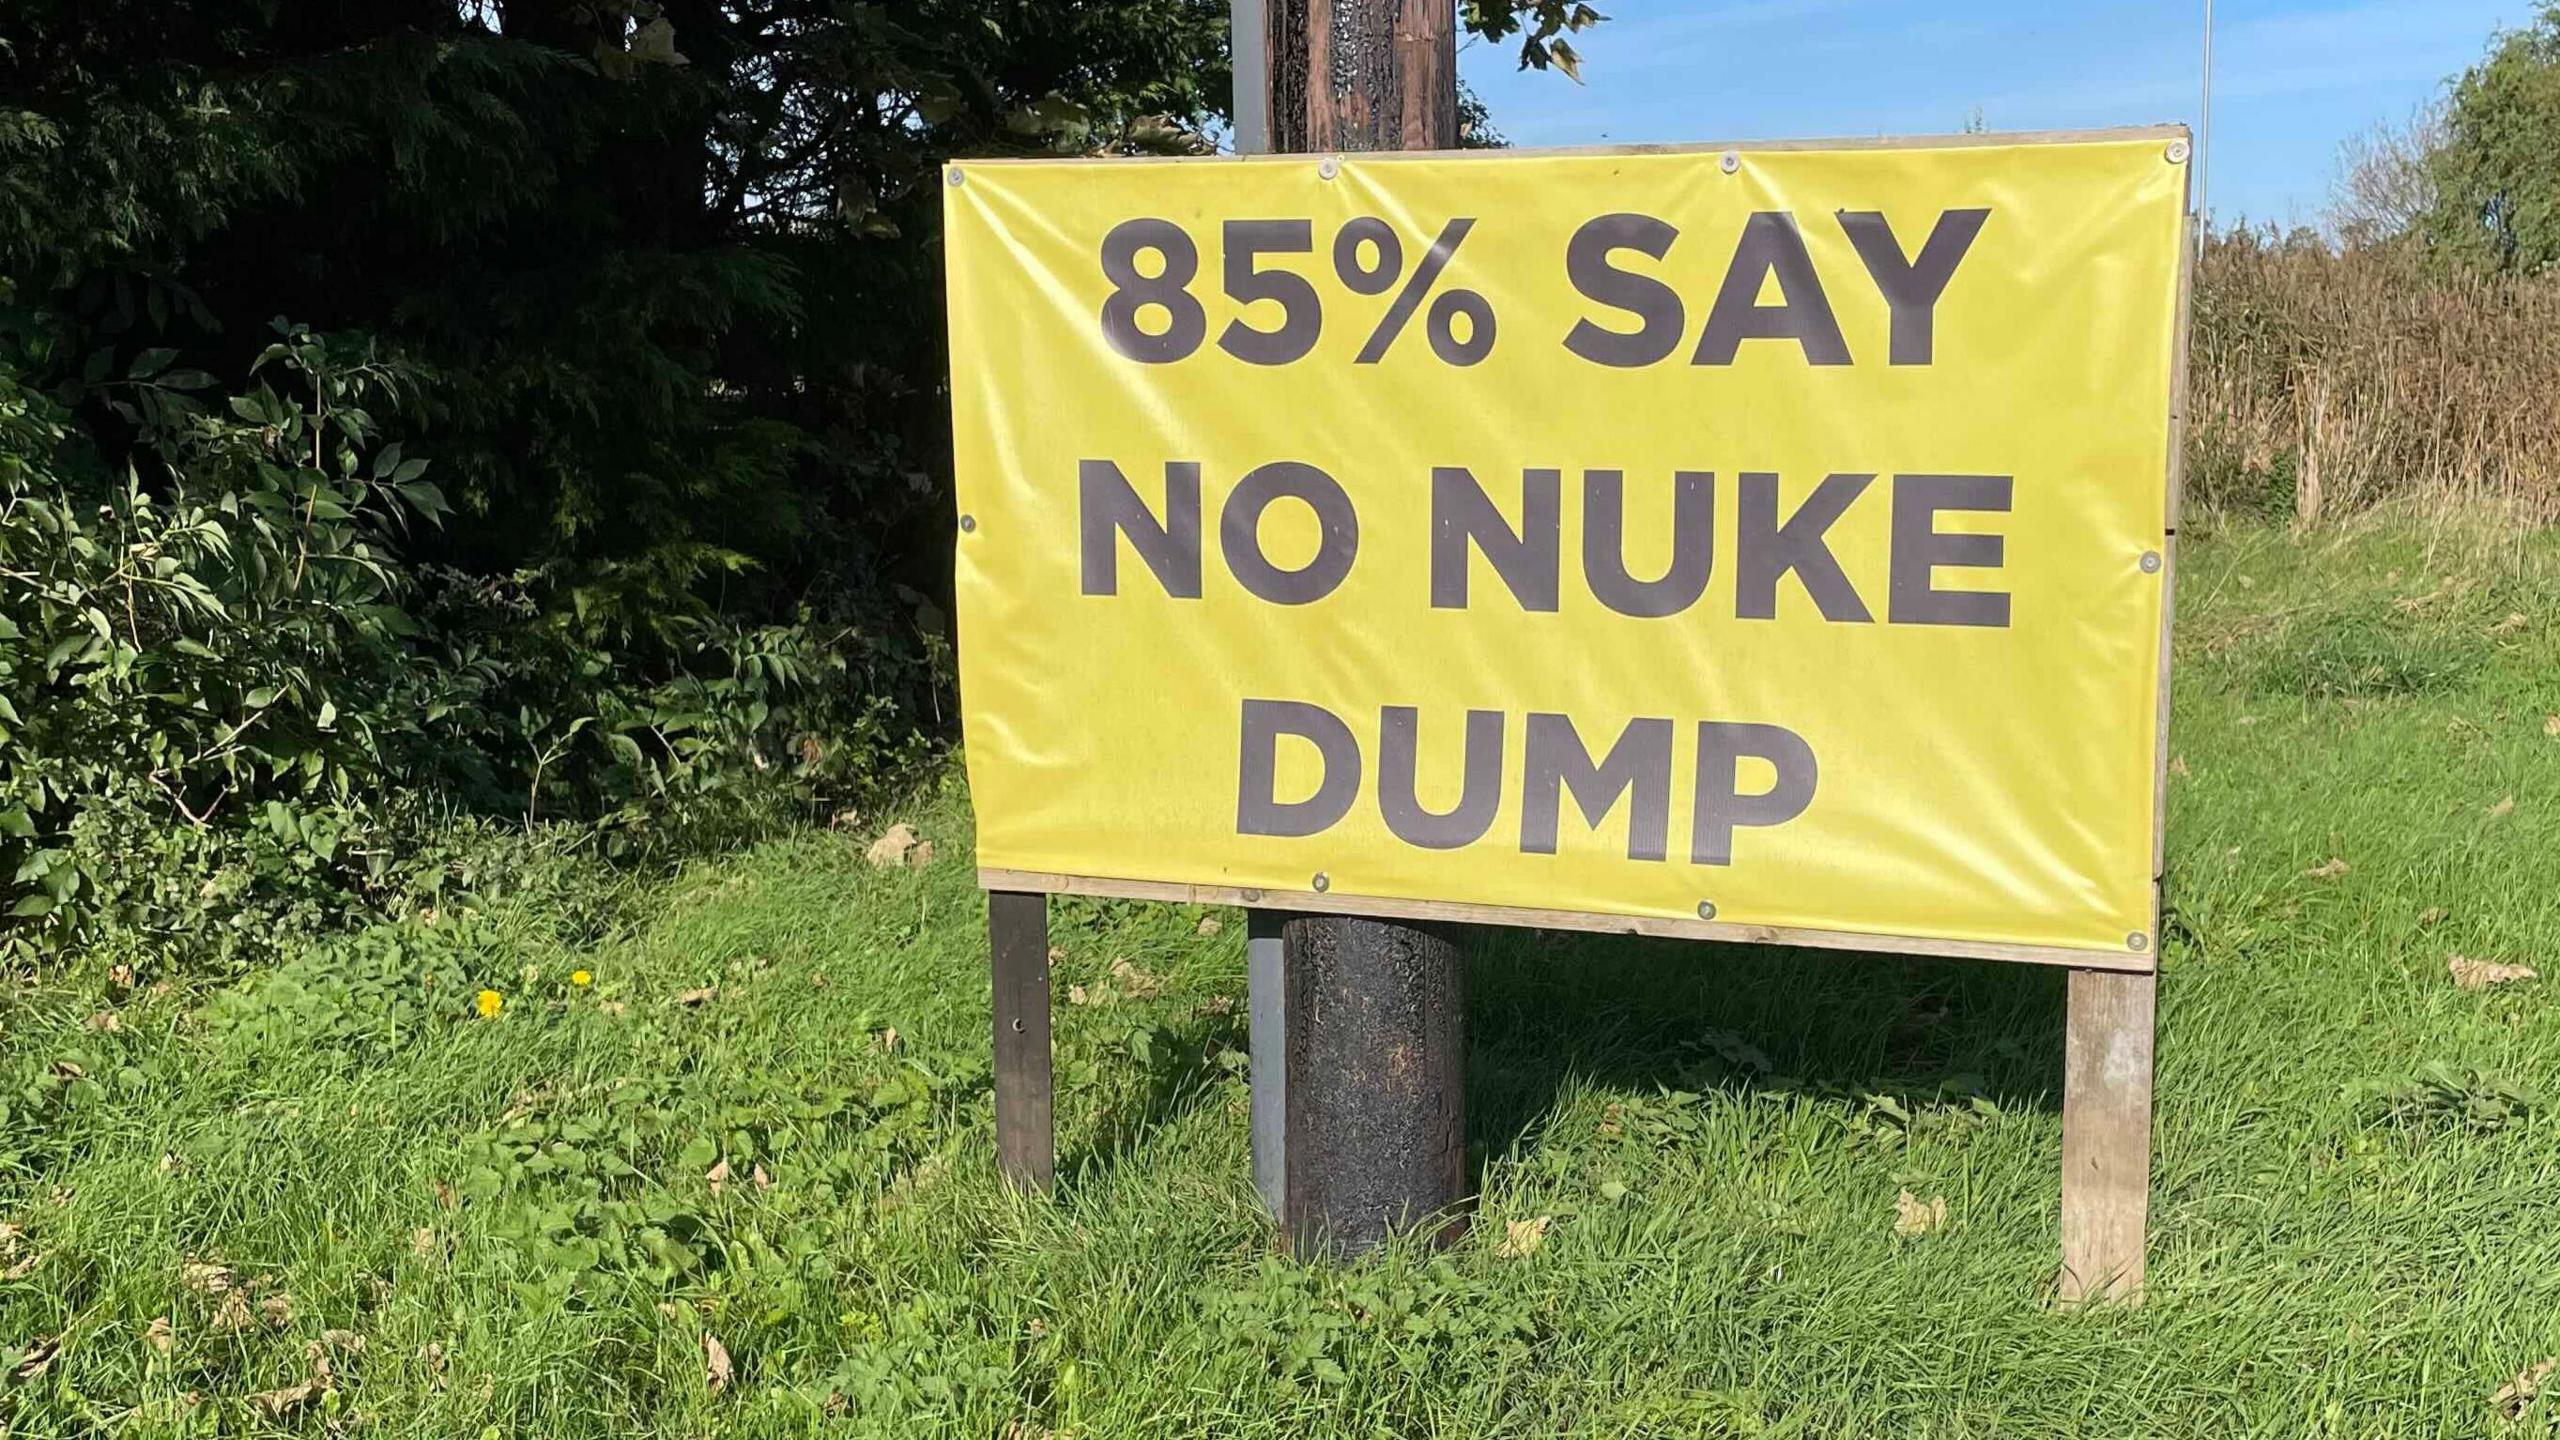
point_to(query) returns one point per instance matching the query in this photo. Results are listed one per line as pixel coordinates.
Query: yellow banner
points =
(1774, 535)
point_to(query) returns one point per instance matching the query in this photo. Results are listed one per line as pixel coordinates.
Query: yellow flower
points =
(489, 1003)
(581, 978)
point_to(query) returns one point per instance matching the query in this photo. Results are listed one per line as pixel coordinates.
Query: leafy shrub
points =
(229, 712)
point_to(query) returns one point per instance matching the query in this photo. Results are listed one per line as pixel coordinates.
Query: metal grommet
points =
(1323, 882)
(1331, 167)
(2150, 562)
(2177, 152)
(1706, 909)
(968, 522)
(1731, 162)
(2137, 942)
(1017, 1027)
(953, 175)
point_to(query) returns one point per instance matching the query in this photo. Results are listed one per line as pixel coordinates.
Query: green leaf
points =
(17, 823)
(32, 905)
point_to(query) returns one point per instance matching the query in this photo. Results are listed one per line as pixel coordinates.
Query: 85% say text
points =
(1368, 257)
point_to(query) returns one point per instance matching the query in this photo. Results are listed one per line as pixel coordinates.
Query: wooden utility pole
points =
(1366, 1104)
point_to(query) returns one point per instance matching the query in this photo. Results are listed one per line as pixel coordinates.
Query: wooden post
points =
(1018, 942)
(1373, 1133)
(2106, 1134)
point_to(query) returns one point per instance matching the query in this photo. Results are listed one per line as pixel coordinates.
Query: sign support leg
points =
(1267, 1002)
(1018, 943)
(2106, 1135)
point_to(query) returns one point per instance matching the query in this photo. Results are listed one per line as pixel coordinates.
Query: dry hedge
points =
(2333, 382)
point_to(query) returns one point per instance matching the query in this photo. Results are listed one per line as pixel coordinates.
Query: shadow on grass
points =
(1183, 1065)
(1547, 1011)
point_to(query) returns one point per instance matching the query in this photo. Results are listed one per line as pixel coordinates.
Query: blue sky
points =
(2292, 78)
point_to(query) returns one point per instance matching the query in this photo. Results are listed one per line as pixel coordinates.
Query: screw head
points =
(1329, 168)
(953, 175)
(1730, 162)
(2177, 152)
(1706, 909)
(2150, 562)
(1323, 882)
(968, 522)
(2137, 942)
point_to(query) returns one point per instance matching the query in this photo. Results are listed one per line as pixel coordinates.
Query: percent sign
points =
(1441, 324)
(1367, 255)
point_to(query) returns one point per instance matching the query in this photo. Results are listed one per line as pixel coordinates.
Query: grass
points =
(740, 1184)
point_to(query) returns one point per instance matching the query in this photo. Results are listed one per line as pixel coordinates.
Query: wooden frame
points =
(1334, 902)
(2111, 995)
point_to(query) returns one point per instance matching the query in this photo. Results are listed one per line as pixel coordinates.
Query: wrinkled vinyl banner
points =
(1775, 536)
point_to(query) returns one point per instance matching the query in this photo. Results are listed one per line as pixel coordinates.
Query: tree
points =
(2497, 175)
(2386, 183)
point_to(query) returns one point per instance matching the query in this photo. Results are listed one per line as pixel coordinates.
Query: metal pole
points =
(1374, 1099)
(2204, 127)
(1249, 46)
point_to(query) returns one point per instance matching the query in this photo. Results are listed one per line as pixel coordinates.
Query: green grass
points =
(508, 1227)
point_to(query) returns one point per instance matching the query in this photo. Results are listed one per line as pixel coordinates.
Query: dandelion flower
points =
(489, 1003)
(581, 978)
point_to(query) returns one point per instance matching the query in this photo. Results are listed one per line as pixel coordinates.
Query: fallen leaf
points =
(718, 1176)
(2178, 767)
(69, 1070)
(38, 1355)
(2503, 808)
(1076, 995)
(2433, 914)
(1523, 1237)
(763, 1181)
(276, 1310)
(277, 1404)
(697, 996)
(106, 1022)
(232, 1315)
(159, 1335)
(2513, 623)
(120, 976)
(2551, 726)
(1218, 1005)
(422, 1243)
(1057, 953)
(1133, 982)
(1910, 1217)
(889, 1039)
(715, 1363)
(23, 1268)
(2516, 1396)
(346, 1340)
(204, 1276)
(1209, 925)
(890, 850)
(446, 1195)
(613, 1007)
(2330, 871)
(2481, 974)
(921, 856)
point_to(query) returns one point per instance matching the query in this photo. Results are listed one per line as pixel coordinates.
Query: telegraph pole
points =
(1365, 1104)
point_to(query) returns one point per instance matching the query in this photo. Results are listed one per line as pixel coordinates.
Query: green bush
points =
(228, 711)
